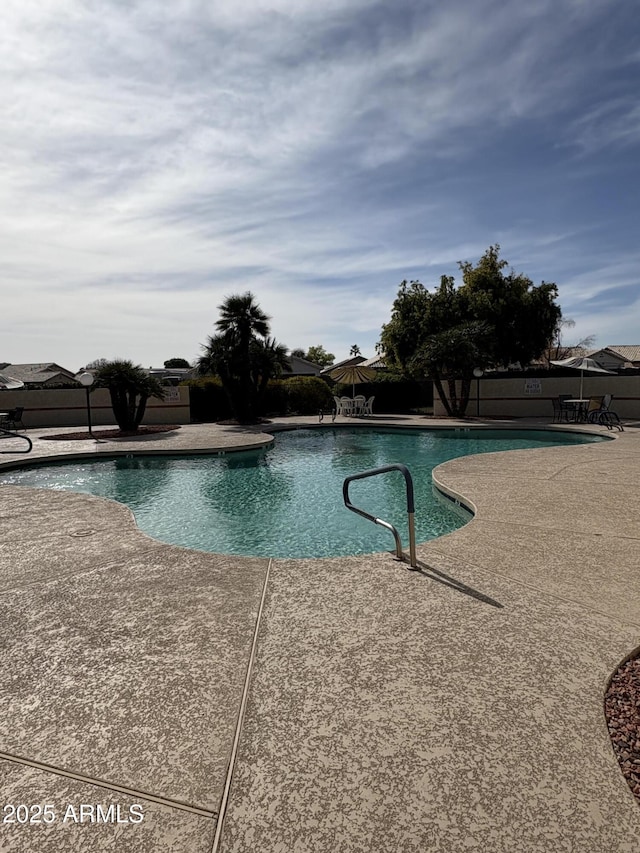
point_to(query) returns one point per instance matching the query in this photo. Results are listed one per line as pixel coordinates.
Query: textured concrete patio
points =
(338, 704)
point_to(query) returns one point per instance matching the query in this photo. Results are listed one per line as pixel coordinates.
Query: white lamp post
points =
(478, 372)
(85, 378)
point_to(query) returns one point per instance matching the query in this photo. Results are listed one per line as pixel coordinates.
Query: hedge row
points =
(306, 395)
(303, 395)
(395, 396)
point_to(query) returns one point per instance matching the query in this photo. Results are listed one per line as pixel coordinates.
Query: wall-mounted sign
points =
(532, 386)
(171, 395)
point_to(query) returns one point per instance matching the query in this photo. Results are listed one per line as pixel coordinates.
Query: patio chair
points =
(608, 418)
(13, 418)
(367, 409)
(562, 410)
(568, 408)
(343, 405)
(593, 409)
(347, 406)
(359, 403)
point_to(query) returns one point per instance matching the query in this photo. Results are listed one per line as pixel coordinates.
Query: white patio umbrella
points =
(354, 373)
(581, 363)
(9, 383)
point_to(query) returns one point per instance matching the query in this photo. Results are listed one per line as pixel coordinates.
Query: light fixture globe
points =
(85, 378)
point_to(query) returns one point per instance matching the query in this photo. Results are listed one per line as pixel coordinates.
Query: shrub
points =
(276, 400)
(209, 401)
(307, 394)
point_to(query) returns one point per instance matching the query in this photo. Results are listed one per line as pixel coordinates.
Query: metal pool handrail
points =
(16, 435)
(410, 508)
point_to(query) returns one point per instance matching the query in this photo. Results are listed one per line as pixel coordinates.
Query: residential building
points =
(39, 375)
(302, 367)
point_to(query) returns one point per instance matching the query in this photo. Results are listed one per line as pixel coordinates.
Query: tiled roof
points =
(38, 372)
(630, 352)
(303, 366)
(625, 353)
(377, 362)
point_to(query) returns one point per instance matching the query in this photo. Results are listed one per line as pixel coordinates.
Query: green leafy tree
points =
(95, 364)
(355, 350)
(319, 355)
(492, 319)
(243, 355)
(129, 388)
(299, 352)
(522, 316)
(176, 362)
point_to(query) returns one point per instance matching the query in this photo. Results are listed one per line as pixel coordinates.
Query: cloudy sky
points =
(157, 157)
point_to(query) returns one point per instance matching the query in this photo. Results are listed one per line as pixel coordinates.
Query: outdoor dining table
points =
(581, 404)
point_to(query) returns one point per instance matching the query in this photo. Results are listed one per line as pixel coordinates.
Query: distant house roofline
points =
(302, 367)
(377, 362)
(628, 352)
(356, 359)
(39, 373)
(303, 360)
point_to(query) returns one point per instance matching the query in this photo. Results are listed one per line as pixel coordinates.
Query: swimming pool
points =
(286, 500)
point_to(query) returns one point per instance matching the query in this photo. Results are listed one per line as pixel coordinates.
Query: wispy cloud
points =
(158, 157)
(611, 125)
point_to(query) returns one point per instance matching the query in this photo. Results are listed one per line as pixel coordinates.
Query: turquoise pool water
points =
(286, 500)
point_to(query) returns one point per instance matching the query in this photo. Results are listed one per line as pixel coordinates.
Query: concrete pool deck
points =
(458, 708)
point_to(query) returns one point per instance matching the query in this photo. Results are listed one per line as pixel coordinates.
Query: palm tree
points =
(243, 355)
(243, 319)
(129, 388)
(268, 360)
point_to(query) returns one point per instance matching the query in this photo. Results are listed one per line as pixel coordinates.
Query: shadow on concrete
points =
(439, 576)
(363, 419)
